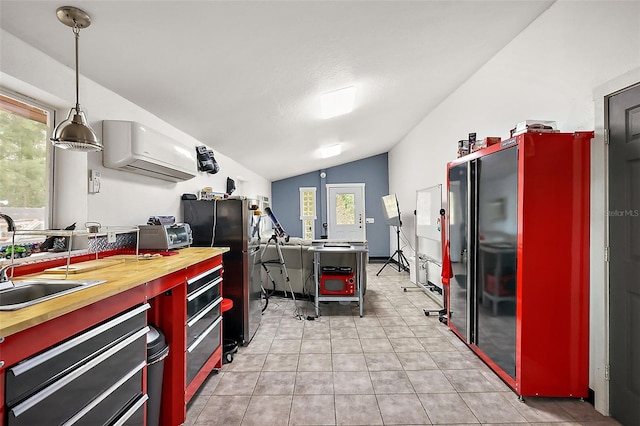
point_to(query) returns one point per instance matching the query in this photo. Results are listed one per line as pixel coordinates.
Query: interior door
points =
(624, 267)
(346, 215)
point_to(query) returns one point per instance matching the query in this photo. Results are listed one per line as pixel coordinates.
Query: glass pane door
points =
(497, 225)
(458, 247)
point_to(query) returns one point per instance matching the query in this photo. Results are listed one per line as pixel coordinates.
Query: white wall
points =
(549, 71)
(125, 198)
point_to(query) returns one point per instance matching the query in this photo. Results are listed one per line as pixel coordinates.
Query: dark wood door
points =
(624, 272)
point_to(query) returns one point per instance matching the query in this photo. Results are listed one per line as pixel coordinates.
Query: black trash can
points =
(157, 351)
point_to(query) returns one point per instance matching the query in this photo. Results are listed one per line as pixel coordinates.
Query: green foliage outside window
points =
(345, 209)
(23, 154)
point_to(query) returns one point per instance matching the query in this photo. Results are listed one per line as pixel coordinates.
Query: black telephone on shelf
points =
(206, 161)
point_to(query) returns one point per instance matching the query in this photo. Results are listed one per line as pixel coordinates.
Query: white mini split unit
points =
(136, 148)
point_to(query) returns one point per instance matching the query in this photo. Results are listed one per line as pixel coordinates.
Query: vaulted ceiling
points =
(245, 77)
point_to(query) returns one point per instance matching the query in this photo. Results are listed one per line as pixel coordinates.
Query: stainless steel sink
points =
(29, 292)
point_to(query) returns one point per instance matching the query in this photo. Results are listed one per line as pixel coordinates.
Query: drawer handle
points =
(204, 312)
(131, 411)
(203, 335)
(35, 361)
(53, 388)
(104, 395)
(204, 274)
(204, 289)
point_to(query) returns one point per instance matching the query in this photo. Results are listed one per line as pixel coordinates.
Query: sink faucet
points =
(11, 226)
(3, 274)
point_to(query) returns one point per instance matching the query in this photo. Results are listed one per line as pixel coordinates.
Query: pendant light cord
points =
(76, 31)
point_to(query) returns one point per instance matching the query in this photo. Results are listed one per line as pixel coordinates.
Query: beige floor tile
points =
(357, 410)
(366, 321)
(385, 361)
(451, 360)
(406, 344)
(289, 333)
(402, 410)
(416, 361)
(194, 408)
(373, 332)
(490, 407)
(266, 410)
(390, 382)
(446, 408)
(237, 383)
(314, 362)
(210, 384)
(275, 383)
(232, 414)
(247, 362)
(314, 383)
(312, 410)
(281, 362)
(345, 346)
(257, 346)
(315, 346)
(376, 345)
(397, 331)
(343, 332)
(469, 381)
(352, 382)
(437, 344)
(349, 362)
(285, 346)
(425, 331)
(429, 381)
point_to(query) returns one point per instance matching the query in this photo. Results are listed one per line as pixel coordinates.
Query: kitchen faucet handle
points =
(3, 273)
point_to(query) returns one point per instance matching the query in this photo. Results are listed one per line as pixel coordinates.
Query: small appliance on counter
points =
(162, 233)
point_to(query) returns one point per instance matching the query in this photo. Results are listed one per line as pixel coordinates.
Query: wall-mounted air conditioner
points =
(136, 148)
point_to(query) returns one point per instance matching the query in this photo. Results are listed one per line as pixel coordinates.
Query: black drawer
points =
(202, 348)
(36, 372)
(109, 406)
(133, 415)
(200, 322)
(193, 284)
(201, 298)
(71, 393)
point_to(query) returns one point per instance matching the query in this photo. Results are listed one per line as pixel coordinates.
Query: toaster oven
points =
(165, 237)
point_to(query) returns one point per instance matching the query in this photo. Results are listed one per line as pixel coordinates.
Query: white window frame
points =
(306, 218)
(50, 111)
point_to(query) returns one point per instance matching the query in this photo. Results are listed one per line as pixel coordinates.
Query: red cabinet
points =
(519, 251)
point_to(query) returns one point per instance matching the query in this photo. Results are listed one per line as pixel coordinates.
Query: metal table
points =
(358, 249)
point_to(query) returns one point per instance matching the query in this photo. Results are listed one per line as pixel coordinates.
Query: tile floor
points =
(394, 366)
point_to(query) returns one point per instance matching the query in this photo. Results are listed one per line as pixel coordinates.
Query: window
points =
(345, 209)
(25, 177)
(308, 212)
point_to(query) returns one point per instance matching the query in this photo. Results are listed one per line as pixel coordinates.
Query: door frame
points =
(599, 242)
(329, 186)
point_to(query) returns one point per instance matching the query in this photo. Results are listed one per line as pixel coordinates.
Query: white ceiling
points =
(245, 77)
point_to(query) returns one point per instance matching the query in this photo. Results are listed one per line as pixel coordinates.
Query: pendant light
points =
(74, 133)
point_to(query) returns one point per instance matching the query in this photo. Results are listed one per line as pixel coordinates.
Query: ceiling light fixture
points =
(75, 134)
(338, 102)
(330, 151)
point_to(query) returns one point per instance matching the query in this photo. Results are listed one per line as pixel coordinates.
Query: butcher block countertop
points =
(120, 276)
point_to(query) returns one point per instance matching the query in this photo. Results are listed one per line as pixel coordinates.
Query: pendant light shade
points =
(74, 133)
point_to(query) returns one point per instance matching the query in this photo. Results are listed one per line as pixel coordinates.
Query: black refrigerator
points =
(230, 223)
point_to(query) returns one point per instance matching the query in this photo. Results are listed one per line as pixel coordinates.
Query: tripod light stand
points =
(402, 262)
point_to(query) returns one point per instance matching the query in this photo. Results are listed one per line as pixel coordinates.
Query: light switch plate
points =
(370, 220)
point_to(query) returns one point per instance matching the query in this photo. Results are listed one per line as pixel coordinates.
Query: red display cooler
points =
(518, 243)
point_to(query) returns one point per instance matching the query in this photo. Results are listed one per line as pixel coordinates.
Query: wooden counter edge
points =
(129, 275)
